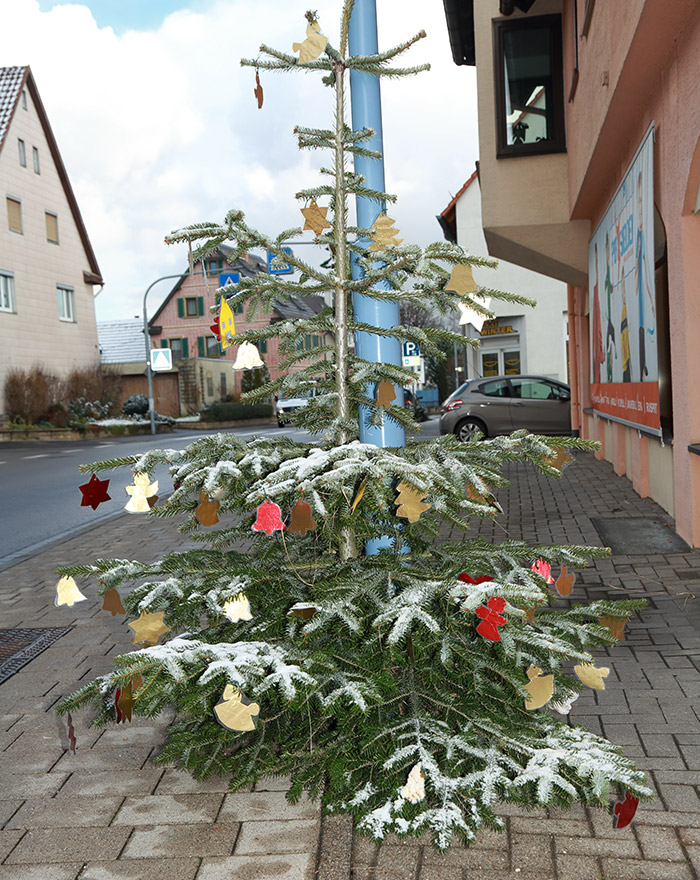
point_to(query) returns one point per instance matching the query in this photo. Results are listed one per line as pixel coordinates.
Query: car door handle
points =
(517, 403)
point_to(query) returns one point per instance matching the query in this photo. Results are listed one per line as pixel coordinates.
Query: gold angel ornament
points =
(235, 711)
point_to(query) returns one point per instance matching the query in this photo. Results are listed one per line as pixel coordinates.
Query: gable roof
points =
(12, 81)
(121, 342)
(447, 219)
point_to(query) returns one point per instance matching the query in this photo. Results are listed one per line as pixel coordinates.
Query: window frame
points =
(17, 202)
(22, 148)
(557, 143)
(66, 294)
(35, 159)
(212, 347)
(8, 288)
(48, 214)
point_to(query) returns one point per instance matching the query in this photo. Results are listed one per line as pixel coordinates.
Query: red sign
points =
(636, 402)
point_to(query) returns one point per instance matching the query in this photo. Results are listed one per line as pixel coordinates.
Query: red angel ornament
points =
(215, 329)
(491, 618)
(624, 811)
(269, 518)
(543, 568)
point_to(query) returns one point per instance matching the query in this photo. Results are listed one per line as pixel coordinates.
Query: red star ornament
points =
(624, 811)
(491, 618)
(269, 518)
(94, 492)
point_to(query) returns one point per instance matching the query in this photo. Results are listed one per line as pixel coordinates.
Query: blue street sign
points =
(228, 278)
(286, 268)
(411, 354)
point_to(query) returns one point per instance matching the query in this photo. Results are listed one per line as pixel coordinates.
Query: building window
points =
(529, 86)
(215, 266)
(262, 346)
(190, 306)
(14, 215)
(24, 99)
(22, 153)
(35, 153)
(213, 347)
(222, 384)
(179, 347)
(210, 385)
(51, 227)
(7, 292)
(66, 303)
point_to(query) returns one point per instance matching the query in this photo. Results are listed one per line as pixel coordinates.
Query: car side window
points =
(499, 388)
(534, 389)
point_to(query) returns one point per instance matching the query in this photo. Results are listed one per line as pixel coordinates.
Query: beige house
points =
(47, 265)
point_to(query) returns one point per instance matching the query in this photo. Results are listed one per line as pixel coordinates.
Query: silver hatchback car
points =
(501, 404)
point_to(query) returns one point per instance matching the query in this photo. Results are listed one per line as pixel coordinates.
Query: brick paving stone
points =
(531, 852)
(168, 809)
(106, 782)
(39, 872)
(660, 843)
(597, 846)
(263, 805)
(65, 812)
(577, 868)
(128, 758)
(619, 869)
(132, 735)
(273, 783)
(401, 860)
(427, 872)
(296, 835)
(8, 841)
(24, 785)
(142, 869)
(291, 866)
(178, 841)
(179, 782)
(683, 798)
(68, 845)
(8, 808)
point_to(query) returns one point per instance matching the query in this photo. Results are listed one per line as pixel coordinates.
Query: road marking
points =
(68, 451)
(102, 445)
(41, 455)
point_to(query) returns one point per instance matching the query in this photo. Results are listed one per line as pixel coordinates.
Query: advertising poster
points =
(622, 300)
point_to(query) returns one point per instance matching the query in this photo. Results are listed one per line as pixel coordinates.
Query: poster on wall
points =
(622, 300)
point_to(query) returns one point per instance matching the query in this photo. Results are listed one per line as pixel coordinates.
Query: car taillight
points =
(453, 404)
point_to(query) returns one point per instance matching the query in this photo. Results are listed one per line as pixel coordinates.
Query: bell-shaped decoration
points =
(302, 519)
(269, 518)
(248, 357)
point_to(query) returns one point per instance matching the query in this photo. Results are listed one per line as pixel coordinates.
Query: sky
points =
(158, 126)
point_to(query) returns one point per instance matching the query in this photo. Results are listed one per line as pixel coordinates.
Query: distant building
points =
(520, 339)
(47, 266)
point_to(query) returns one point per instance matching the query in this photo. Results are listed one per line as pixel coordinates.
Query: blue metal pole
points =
(366, 107)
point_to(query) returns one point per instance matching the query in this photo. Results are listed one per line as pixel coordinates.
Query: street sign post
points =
(286, 269)
(411, 354)
(161, 359)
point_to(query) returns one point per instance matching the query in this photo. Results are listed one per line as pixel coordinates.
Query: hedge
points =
(231, 412)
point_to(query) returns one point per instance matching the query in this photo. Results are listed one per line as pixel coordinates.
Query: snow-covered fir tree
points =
(386, 685)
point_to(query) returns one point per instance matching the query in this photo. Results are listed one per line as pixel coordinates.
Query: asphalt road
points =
(39, 483)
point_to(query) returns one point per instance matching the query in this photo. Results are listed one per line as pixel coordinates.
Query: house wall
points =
(35, 334)
(543, 328)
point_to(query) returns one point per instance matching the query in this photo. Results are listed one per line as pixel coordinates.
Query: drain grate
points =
(638, 536)
(19, 646)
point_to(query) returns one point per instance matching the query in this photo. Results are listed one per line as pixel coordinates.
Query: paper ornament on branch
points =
(248, 357)
(314, 44)
(71, 733)
(215, 329)
(615, 625)
(385, 393)
(269, 518)
(384, 234)
(543, 568)
(414, 790)
(141, 492)
(94, 492)
(468, 315)
(315, 218)
(304, 610)
(591, 675)
(624, 811)
(67, 592)
(360, 493)
(565, 582)
(540, 688)
(124, 702)
(206, 511)
(227, 327)
(302, 520)
(468, 579)
(237, 608)
(148, 628)
(491, 618)
(462, 280)
(112, 602)
(559, 460)
(236, 712)
(563, 707)
(258, 90)
(409, 502)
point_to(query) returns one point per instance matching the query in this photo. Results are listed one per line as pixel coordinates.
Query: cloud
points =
(160, 128)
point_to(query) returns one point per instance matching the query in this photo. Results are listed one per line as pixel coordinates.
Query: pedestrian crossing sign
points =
(161, 359)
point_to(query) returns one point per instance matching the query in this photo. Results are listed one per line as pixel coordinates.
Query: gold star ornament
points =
(315, 218)
(148, 628)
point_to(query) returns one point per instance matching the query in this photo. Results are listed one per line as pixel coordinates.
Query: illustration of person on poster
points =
(643, 287)
(624, 337)
(597, 328)
(610, 346)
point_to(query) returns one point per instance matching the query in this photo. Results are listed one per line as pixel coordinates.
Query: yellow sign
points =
(492, 328)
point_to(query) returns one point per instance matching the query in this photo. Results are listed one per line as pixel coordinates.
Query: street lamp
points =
(147, 342)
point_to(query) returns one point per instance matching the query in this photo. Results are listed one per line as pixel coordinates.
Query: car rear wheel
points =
(468, 429)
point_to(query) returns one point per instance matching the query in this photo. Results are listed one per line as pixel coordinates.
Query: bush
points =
(29, 394)
(230, 412)
(135, 405)
(95, 391)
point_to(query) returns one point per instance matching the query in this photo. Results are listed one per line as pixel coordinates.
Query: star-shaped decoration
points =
(491, 618)
(315, 218)
(559, 460)
(472, 316)
(94, 492)
(148, 628)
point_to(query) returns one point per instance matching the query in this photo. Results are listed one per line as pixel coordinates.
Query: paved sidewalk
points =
(108, 813)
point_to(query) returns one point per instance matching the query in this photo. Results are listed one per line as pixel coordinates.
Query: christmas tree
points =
(411, 687)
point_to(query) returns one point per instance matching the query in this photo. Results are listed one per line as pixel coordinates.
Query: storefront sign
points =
(492, 328)
(624, 364)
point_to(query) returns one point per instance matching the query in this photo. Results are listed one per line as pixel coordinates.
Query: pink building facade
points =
(618, 71)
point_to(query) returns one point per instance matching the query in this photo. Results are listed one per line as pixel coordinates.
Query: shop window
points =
(489, 364)
(529, 86)
(511, 360)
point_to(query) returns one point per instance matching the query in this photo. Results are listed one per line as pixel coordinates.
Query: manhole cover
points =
(638, 536)
(19, 646)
